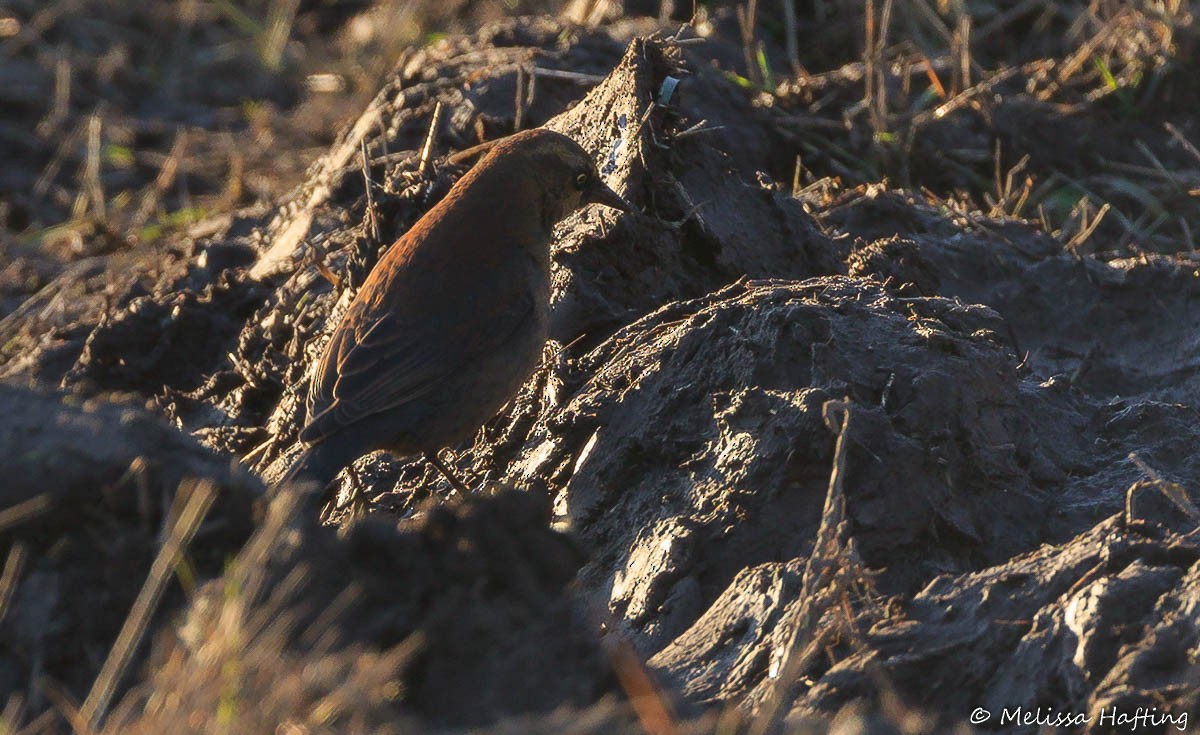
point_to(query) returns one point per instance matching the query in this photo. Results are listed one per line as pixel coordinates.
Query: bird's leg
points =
(441, 467)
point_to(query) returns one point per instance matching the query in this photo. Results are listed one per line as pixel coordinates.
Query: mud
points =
(800, 455)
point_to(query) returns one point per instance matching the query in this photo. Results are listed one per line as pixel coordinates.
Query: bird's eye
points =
(581, 180)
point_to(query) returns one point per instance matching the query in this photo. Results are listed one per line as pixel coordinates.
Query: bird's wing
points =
(381, 358)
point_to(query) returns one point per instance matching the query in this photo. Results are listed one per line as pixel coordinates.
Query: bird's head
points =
(562, 173)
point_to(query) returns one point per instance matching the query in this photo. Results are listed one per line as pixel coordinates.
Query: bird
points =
(453, 318)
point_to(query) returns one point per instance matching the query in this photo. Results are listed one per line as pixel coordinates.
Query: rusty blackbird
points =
(453, 318)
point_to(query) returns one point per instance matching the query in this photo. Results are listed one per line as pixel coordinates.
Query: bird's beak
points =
(599, 193)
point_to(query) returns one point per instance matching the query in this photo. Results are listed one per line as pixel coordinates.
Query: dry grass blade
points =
(430, 140)
(198, 498)
(790, 31)
(962, 98)
(61, 152)
(647, 701)
(62, 99)
(871, 60)
(44, 724)
(1010, 16)
(371, 220)
(962, 51)
(24, 511)
(1070, 66)
(698, 129)
(67, 707)
(568, 76)
(1160, 168)
(164, 179)
(256, 666)
(91, 170)
(747, 16)
(249, 573)
(1088, 228)
(13, 714)
(816, 593)
(933, 21)
(13, 566)
(1182, 140)
(279, 28)
(521, 95)
(1173, 491)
